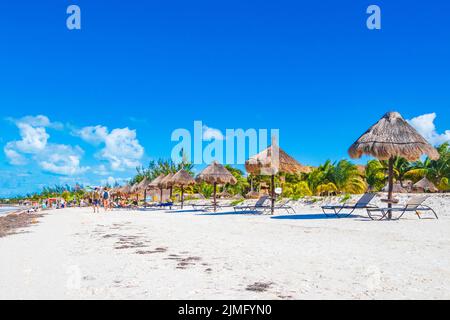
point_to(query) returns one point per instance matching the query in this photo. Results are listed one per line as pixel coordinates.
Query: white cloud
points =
(211, 133)
(101, 170)
(121, 147)
(38, 121)
(14, 157)
(424, 124)
(94, 134)
(34, 139)
(112, 181)
(54, 158)
(63, 160)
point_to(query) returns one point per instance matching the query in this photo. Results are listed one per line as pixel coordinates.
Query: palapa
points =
(425, 185)
(391, 137)
(272, 161)
(216, 174)
(155, 184)
(182, 178)
(166, 183)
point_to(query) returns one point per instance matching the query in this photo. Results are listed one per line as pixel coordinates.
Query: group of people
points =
(99, 198)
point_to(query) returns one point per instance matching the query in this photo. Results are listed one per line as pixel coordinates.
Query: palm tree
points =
(437, 171)
(375, 175)
(332, 178)
(242, 186)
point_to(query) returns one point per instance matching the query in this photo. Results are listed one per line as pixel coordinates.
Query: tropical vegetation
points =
(331, 178)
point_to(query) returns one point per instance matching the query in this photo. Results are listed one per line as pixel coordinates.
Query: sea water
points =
(5, 210)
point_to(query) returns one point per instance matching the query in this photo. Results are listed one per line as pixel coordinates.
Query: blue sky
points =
(138, 70)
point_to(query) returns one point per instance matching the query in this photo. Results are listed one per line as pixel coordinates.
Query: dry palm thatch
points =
(392, 136)
(166, 182)
(272, 161)
(253, 195)
(126, 190)
(155, 183)
(225, 195)
(141, 186)
(425, 185)
(396, 188)
(182, 178)
(216, 174)
(389, 138)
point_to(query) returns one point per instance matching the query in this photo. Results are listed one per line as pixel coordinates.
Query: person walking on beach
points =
(106, 197)
(96, 200)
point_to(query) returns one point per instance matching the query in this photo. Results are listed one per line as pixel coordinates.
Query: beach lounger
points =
(209, 206)
(284, 205)
(414, 205)
(345, 210)
(158, 206)
(258, 205)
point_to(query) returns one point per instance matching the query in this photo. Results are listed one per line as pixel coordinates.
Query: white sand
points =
(71, 255)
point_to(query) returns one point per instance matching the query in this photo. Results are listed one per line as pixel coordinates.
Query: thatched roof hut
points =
(253, 195)
(155, 183)
(182, 178)
(389, 138)
(272, 161)
(425, 185)
(225, 195)
(396, 188)
(141, 186)
(126, 189)
(392, 136)
(216, 173)
(166, 182)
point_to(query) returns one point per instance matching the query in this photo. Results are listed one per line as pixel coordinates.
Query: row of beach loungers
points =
(262, 205)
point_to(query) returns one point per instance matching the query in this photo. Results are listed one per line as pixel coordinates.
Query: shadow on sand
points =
(185, 211)
(317, 216)
(229, 213)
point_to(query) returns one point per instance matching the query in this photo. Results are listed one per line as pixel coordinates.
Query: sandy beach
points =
(75, 254)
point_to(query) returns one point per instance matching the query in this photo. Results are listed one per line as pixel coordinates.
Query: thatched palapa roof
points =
(127, 189)
(253, 195)
(216, 173)
(397, 188)
(141, 186)
(392, 136)
(183, 178)
(155, 183)
(166, 182)
(272, 161)
(425, 185)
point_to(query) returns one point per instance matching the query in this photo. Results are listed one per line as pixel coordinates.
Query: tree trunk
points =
(391, 186)
(272, 209)
(215, 192)
(182, 197)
